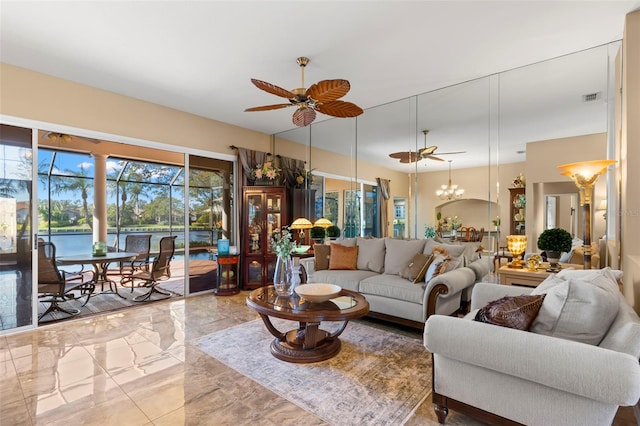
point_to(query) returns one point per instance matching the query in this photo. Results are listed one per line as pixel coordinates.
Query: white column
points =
(100, 198)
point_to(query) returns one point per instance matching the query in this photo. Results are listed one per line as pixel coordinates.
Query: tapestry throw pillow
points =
(399, 253)
(343, 257)
(371, 253)
(321, 253)
(514, 312)
(417, 268)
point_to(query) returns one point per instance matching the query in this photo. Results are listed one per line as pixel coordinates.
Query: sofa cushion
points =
(399, 253)
(343, 257)
(347, 279)
(417, 269)
(321, 253)
(514, 312)
(576, 309)
(371, 252)
(393, 287)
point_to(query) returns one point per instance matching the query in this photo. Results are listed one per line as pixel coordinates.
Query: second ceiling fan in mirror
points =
(425, 153)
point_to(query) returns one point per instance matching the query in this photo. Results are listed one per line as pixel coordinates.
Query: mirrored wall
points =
(487, 133)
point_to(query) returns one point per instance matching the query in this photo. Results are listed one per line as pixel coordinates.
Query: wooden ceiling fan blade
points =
(453, 152)
(431, 157)
(268, 107)
(303, 117)
(273, 89)
(340, 109)
(427, 151)
(399, 155)
(328, 90)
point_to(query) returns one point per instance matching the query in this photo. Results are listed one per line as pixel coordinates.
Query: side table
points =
(227, 275)
(526, 277)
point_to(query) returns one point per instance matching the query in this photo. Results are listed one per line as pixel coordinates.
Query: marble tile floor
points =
(138, 367)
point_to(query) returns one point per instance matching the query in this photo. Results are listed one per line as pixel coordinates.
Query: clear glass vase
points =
(282, 276)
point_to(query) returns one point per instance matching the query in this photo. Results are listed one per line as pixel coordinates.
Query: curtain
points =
(249, 159)
(291, 168)
(383, 203)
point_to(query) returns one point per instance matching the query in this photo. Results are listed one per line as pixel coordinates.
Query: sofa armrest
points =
(446, 285)
(484, 293)
(590, 371)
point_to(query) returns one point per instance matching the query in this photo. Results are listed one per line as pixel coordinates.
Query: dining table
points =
(99, 264)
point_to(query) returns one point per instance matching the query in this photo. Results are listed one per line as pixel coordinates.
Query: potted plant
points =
(554, 241)
(317, 234)
(333, 232)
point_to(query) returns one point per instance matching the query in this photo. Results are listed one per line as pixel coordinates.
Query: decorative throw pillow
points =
(456, 252)
(577, 308)
(321, 254)
(514, 312)
(371, 252)
(437, 266)
(417, 268)
(399, 253)
(343, 257)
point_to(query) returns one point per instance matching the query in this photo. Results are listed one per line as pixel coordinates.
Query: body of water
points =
(72, 244)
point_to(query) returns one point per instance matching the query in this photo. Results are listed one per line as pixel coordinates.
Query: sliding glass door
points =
(16, 164)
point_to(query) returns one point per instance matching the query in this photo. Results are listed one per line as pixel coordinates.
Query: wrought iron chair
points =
(56, 286)
(140, 244)
(160, 269)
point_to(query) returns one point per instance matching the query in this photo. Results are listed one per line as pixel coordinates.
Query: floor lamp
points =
(585, 174)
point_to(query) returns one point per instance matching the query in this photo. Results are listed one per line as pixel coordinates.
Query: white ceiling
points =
(199, 57)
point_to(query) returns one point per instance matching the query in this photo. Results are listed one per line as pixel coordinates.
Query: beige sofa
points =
(378, 276)
(578, 363)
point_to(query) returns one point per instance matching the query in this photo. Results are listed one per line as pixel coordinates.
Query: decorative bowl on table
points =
(318, 293)
(302, 249)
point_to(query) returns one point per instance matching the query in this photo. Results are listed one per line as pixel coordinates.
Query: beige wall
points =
(629, 163)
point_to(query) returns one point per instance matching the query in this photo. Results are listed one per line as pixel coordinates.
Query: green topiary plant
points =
(555, 239)
(333, 232)
(317, 232)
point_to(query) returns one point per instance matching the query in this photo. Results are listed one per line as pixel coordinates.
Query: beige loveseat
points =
(575, 366)
(381, 262)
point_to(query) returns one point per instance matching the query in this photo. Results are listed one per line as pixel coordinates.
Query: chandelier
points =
(449, 192)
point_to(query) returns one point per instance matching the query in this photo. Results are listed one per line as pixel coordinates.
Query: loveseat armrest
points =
(447, 285)
(309, 265)
(483, 293)
(590, 371)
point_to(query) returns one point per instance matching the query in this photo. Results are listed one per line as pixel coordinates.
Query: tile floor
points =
(138, 367)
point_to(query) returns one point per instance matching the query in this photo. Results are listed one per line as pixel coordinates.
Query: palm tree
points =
(75, 182)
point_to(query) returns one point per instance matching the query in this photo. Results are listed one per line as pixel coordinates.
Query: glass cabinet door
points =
(274, 217)
(255, 223)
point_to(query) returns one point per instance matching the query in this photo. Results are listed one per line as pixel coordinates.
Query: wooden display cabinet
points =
(264, 211)
(516, 212)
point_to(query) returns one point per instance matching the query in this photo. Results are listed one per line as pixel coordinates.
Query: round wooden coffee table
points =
(308, 343)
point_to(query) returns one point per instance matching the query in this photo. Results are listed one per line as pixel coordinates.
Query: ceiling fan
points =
(322, 97)
(63, 137)
(425, 153)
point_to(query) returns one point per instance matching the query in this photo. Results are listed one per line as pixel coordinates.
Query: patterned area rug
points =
(378, 378)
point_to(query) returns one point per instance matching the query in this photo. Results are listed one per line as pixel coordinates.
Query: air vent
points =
(591, 97)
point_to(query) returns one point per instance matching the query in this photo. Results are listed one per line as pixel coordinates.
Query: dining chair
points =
(160, 269)
(140, 244)
(56, 286)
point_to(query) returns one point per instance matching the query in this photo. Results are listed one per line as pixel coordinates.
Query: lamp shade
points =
(585, 172)
(301, 223)
(603, 204)
(323, 223)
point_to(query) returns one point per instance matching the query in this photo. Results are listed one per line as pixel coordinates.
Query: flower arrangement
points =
(450, 223)
(282, 242)
(303, 176)
(266, 170)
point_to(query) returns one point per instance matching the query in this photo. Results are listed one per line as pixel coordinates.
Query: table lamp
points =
(517, 244)
(323, 223)
(301, 224)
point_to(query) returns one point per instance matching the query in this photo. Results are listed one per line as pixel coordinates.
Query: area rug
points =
(378, 378)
